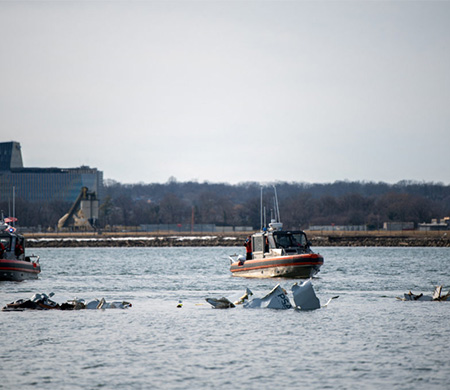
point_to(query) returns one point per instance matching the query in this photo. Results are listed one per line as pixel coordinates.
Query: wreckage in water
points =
(437, 296)
(43, 302)
(305, 299)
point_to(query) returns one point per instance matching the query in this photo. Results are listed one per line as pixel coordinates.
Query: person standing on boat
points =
(248, 247)
(18, 250)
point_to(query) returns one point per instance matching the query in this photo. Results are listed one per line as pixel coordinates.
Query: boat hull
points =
(296, 266)
(18, 270)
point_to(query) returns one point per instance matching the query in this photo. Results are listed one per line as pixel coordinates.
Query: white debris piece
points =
(276, 299)
(304, 296)
(113, 305)
(93, 304)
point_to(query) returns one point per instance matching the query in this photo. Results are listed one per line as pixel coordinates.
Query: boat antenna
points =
(277, 211)
(265, 222)
(261, 210)
(14, 204)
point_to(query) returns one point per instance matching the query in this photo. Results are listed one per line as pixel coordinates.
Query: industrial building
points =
(43, 184)
(435, 225)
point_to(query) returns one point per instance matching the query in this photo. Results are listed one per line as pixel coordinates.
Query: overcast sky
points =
(229, 91)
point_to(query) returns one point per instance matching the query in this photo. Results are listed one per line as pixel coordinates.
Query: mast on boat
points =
(277, 209)
(275, 223)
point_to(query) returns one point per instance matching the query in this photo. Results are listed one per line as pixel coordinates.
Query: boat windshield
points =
(6, 241)
(289, 239)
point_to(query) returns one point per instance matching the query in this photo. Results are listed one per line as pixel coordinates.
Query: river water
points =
(365, 339)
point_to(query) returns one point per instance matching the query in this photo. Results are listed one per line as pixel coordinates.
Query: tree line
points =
(300, 204)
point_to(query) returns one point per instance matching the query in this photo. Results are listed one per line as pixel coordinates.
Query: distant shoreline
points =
(318, 239)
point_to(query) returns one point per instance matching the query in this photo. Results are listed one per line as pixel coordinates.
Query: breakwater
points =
(373, 241)
(138, 241)
(317, 239)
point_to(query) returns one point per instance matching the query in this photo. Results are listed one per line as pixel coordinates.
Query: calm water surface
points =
(366, 339)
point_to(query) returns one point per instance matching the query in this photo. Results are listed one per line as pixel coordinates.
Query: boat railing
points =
(32, 258)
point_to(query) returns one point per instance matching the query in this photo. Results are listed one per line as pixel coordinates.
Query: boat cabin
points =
(279, 243)
(13, 245)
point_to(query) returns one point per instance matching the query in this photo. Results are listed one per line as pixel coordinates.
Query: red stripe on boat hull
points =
(299, 266)
(17, 270)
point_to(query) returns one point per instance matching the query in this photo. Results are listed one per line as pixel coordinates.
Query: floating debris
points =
(304, 298)
(329, 301)
(275, 299)
(225, 303)
(420, 297)
(221, 303)
(43, 302)
(248, 293)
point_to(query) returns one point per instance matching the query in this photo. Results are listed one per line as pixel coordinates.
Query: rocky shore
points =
(138, 241)
(392, 241)
(318, 239)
